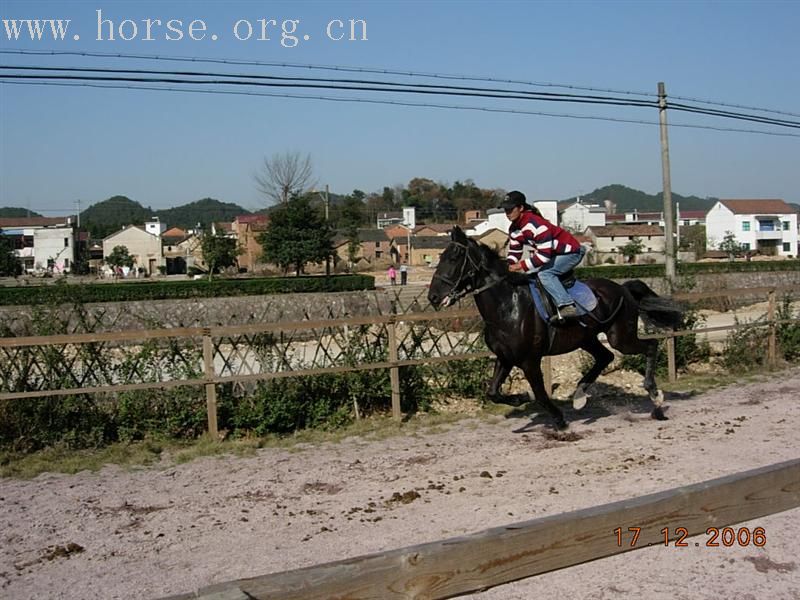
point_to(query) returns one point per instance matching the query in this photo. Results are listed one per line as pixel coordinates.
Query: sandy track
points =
(159, 531)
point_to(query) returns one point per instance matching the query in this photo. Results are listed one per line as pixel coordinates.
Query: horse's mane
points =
(499, 266)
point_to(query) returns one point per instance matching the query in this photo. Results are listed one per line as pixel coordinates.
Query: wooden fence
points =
(210, 379)
(457, 566)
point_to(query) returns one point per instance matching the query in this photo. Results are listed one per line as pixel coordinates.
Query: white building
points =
(766, 226)
(53, 249)
(155, 227)
(42, 243)
(578, 216)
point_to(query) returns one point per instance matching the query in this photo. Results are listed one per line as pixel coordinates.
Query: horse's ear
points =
(457, 235)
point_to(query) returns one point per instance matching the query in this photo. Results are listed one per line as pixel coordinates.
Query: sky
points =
(67, 146)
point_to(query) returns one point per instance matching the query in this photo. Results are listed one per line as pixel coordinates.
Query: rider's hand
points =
(515, 267)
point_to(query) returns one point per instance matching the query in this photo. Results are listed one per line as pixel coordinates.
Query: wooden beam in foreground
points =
(456, 566)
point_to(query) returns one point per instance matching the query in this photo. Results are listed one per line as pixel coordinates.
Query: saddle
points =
(581, 294)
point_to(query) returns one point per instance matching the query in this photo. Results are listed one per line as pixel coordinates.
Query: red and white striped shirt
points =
(544, 239)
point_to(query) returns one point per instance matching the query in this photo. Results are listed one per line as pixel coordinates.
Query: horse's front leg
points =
(501, 371)
(533, 373)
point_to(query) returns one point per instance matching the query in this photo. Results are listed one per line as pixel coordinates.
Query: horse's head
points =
(458, 270)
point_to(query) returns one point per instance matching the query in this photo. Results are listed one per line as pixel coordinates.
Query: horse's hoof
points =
(579, 400)
(562, 425)
(658, 414)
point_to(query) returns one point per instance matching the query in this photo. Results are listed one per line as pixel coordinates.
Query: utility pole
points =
(669, 221)
(327, 205)
(78, 202)
(327, 201)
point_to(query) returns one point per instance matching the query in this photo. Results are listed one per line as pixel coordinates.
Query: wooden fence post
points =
(772, 354)
(672, 367)
(211, 388)
(394, 372)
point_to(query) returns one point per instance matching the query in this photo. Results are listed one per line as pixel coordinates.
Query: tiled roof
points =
(758, 207)
(34, 221)
(437, 227)
(623, 230)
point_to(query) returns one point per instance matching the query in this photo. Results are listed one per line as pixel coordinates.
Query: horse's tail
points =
(655, 310)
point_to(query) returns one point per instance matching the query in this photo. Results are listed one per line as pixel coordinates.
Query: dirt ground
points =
(169, 529)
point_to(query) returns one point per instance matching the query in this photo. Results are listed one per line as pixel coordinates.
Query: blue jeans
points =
(558, 265)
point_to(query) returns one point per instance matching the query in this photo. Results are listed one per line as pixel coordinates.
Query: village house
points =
(143, 247)
(765, 226)
(248, 229)
(577, 216)
(607, 243)
(43, 244)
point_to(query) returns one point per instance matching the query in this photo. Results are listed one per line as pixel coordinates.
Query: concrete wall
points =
(297, 307)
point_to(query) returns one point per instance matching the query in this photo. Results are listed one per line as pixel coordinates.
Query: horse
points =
(518, 335)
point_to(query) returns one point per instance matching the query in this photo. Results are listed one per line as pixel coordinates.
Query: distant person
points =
(403, 274)
(392, 273)
(553, 250)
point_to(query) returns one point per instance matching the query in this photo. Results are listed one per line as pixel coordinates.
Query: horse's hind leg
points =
(602, 358)
(533, 373)
(650, 349)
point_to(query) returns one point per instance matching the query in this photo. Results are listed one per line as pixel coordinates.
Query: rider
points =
(553, 250)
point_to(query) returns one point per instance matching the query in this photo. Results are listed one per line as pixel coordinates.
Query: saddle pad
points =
(585, 300)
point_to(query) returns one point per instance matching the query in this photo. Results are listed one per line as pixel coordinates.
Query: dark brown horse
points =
(520, 337)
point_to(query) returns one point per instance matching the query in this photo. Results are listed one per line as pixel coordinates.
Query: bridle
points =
(476, 267)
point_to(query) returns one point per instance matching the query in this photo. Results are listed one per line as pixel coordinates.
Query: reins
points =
(477, 267)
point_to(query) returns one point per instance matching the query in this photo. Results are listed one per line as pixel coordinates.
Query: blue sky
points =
(60, 144)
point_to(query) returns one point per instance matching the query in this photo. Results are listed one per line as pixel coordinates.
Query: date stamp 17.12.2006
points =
(714, 537)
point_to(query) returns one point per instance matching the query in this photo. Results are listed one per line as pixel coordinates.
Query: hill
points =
(108, 216)
(628, 199)
(207, 210)
(11, 212)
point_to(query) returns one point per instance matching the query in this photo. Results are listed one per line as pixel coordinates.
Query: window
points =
(66, 242)
(66, 263)
(766, 225)
(745, 225)
(787, 246)
(786, 225)
(746, 246)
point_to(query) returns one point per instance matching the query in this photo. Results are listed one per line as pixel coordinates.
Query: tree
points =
(693, 237)
(730, 245)
(285, 175)
(633, 248)
(119, 257)
(297, 234)
(10, 264)
(219, 252)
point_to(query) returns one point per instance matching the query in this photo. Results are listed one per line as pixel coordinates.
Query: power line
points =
(324, 86)
(401, 103)
(393, 84)
(400, 72)
(179, 77)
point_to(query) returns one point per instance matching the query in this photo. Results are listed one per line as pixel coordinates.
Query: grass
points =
(165, 453)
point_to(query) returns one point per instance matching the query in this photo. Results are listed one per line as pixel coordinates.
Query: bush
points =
(160, 290)
(788, 333)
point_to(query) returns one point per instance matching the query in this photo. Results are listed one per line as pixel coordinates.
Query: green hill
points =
(108, 216)
(627, 199)
(12, 212)
(203, 211)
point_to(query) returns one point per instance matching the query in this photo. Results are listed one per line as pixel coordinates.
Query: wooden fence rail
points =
(210, 379)
(457, 566)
